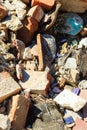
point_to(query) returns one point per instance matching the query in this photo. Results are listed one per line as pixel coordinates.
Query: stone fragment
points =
(70, 100)
(36, 12)
(47, 125)
(21, 13)
(34, 50)
(5, 123)
(49, 116)
(83, 84)
(19, 111)
(3, 32)
(71, 63)
(15, 4)
(46, 5)
(30, 26)
(84, 32)
(19, 71)
(8, 86)
(78, 6)
(3, 12)
(13, 23)
(27, 54)
(30, 65)
(75, 75)
(80, 125)
(38, 82)
(20, 46)
(83, 42)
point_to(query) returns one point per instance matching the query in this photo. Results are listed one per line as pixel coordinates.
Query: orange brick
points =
(80, 125)
(45, 4)
(19, 111)
(25, 34)
(36, 12)
(8, 86)
(3, 12)
(40, 53)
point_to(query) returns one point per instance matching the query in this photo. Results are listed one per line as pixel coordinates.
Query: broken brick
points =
(38, 82)
(36, 12)
(40, 53)
(80, 125)
(46, 5)
(3, 12)
(30, 26)
(8, 86)
(19, 111)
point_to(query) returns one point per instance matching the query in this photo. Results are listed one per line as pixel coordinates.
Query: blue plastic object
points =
(69, 23)
(68, 120)
(76, 91)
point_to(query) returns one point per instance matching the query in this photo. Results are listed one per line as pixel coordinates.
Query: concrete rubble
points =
(43, 65)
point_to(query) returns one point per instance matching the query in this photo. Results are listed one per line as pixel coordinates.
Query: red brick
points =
(8, 86)
(19, 111)
(25, 34)
(26, 1)
(3, 12)
(37, 81)
(36, 12)
(80, 125)
(45, 4)
(83, 94)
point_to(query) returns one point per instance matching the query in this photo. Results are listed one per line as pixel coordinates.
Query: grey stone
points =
(71, 63)
(39, 125)
(13, 23)
(69, 100)
(5, 123)
(83, 42)
(83, 84)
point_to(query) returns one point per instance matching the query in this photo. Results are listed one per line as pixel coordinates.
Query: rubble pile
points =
(43, 68)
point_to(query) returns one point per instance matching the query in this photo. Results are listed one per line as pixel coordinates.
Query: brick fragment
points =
(45, 4)
(36, 12)
(19, 111)
(80, 125)
(40, 53)
(38, 82)
(8, 86)
(30, 26)
(3, 12)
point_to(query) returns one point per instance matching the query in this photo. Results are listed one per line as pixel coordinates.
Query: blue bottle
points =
(69, 23)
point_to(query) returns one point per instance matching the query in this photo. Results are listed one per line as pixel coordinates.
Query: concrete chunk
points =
(19, 111)
(4, 122)
(37, 81)
(8, 86)
(70, 100)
